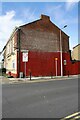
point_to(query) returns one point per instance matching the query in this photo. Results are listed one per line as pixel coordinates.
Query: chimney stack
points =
(45, 17)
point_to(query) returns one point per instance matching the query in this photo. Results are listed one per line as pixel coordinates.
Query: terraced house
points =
(39, 47)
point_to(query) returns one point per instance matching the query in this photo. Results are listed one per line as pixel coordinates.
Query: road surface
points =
(50, 99)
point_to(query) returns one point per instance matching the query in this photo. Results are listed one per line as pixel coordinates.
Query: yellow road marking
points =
(77, 117)
(73, 115)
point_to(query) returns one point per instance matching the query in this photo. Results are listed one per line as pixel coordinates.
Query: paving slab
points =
(5, 80)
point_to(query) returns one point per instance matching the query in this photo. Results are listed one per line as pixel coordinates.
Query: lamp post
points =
(61, 50)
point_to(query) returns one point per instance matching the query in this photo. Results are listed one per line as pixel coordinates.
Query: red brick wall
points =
(16, 40)
(43, 35)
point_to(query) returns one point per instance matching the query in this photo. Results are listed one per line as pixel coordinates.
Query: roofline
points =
(50, 21)
(29, 23)
(14, 30)
(76, 46)
(59, 28)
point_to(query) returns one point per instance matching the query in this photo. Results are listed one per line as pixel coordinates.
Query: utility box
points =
(21, 74)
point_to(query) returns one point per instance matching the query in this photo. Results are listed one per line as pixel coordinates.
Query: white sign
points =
(65, 62)
(25, 57)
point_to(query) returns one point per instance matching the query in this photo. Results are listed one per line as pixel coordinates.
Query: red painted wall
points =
(71, 68)
(43, 64)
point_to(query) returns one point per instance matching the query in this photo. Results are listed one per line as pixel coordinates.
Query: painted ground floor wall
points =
(44, 64)
(10, 63)
(41, 64)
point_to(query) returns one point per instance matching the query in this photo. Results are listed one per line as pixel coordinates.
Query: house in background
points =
(40, 40)
(10, 55)
(1, 65)
(76, 53)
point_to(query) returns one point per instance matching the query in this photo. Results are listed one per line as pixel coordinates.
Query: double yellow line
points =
(74, 116)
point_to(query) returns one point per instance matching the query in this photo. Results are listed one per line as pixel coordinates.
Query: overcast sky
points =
(18, 13)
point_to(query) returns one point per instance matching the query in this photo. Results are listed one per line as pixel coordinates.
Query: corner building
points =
(41, 40)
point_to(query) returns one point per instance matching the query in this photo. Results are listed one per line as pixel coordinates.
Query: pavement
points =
(5, 80)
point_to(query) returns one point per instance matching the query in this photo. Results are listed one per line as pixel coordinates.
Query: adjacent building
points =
(35, 48)
(1, 65)
(75, 53)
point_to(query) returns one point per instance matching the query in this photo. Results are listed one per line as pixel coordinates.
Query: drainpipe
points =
(18, 51)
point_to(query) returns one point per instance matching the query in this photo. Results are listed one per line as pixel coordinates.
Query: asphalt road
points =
(53, 99)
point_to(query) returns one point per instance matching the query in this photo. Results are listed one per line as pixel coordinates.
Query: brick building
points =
(75, 52)
(41, 40)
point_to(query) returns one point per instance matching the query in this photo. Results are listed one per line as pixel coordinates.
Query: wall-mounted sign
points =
(25, 56)
(65, 63)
